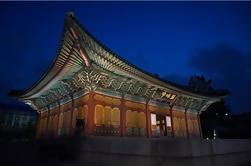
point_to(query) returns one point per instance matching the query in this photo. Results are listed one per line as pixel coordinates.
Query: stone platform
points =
(168, 152)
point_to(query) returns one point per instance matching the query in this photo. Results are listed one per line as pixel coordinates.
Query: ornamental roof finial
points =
(70, 14)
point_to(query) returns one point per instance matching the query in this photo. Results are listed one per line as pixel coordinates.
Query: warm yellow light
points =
(153, 119)
(172, 97)
(168, 121)
(168, 95)
(163, 94)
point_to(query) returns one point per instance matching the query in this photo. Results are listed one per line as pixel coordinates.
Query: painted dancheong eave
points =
(80, 49)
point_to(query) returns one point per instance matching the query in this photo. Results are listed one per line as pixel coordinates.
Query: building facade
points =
(12, 117)
(17, 122)
(92, 90)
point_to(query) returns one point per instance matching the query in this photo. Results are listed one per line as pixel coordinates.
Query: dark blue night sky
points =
(174, 39)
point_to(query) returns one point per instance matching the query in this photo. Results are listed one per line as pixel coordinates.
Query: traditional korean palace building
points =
(91, 89)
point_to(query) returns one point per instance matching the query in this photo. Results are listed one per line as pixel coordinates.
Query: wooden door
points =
(161, 123)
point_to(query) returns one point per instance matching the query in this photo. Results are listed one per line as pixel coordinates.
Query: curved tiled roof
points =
(68, 57)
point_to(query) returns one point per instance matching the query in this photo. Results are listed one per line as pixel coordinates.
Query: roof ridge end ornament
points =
(70, 14)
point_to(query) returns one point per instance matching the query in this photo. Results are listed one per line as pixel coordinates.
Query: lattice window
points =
(135, 123)
(107, 115)
(129, 118)
(135, 119)
(115, 116)
(141, 117)
(99, 115)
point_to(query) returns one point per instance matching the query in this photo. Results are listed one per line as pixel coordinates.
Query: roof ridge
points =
(71, 15)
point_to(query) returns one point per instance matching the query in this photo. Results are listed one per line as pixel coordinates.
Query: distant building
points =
(17, 118)
(90, 88)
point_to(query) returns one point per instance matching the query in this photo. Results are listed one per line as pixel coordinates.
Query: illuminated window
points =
(168, 121)
(98, 115)
(129, 118)
(115, 117)
(134, 119)
(107, 115)
(153, 119)
(141, 120)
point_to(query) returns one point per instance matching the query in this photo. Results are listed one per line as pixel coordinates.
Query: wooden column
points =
(199, 124)
(59, 114)
(72, 111)
(122, 117)
(187, 131)
(171, 116)
(148, 121)
(47, 121)
(90, 118)
(38, 131)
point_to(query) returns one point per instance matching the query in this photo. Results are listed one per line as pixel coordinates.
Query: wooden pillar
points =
(148, 121)
(72, 111)
(199, 125)
(59, 114)
(122, 117)
(187, 130)
(47, 121)
(38, 131)
(91, 110)
(171, 116)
